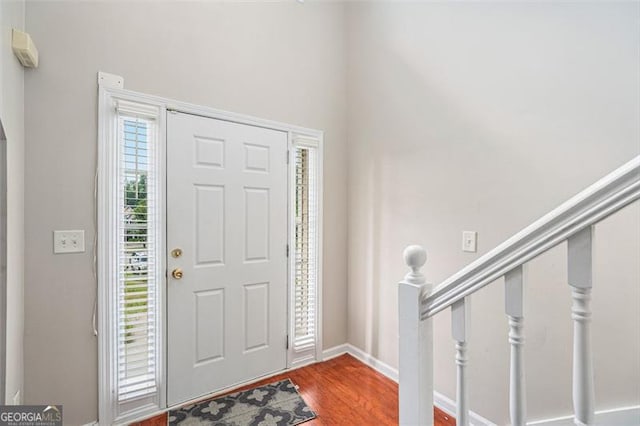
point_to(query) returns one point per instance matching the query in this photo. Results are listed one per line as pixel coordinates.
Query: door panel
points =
(227, 212)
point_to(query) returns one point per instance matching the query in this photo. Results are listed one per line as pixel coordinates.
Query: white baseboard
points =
(334, 352)
(625, 416)
(439, 400)
(374, 363)
(449, 406)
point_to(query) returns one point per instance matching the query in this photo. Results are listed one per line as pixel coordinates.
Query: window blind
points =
(136, 305)
(305, 250)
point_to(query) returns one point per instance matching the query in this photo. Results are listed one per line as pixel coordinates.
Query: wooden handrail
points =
(605, 197)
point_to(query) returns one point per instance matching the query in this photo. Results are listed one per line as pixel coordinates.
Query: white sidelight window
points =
(306, 245)
(137, 254)
(131, 238)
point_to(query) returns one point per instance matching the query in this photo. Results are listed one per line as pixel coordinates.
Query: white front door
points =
(227, 215)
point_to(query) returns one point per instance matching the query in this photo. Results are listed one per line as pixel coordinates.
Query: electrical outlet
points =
(68, 241)
(469, 241)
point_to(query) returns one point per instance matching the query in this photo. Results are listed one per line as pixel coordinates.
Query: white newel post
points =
(514, 307)
(581, 280)
(416, 345)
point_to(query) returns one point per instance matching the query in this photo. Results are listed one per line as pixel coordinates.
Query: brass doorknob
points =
(177, 273)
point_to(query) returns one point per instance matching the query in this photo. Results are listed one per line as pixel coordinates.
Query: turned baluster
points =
(514, 298)
(459, 328)
(581, 280)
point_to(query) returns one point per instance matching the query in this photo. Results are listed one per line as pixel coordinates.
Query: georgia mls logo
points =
(51, 413)
(31, 415)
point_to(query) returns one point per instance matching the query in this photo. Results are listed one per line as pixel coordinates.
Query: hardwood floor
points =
(341, 391)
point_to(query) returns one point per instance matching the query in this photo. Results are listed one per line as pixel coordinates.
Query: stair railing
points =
(418, 302)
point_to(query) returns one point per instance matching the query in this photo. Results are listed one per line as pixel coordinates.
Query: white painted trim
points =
(603, 198)
(315, 142)
(320, 239)
(291, 176)
(105, 193)
(439, 400)
(106, 190)
(204, 111)
(335, 352)
(347, 348)
(624, 416)
(449, 406)
(381, 367)
(108, 407)
(3, 263)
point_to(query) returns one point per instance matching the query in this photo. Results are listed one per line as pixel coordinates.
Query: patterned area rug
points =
(275, 404)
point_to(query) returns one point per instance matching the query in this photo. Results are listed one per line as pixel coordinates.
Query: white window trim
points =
(305, 140)
(3, 262)
(106, 189)
(110, 410)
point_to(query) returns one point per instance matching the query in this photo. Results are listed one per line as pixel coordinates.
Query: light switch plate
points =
(71, 241)
(469, 241)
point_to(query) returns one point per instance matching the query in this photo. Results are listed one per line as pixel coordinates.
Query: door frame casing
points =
(106, 268)
(3, 265)
(105, 223)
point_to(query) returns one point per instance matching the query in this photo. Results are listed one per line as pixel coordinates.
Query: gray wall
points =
(12, 114)
(282, 61)
(476, 117)
(483, 117)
